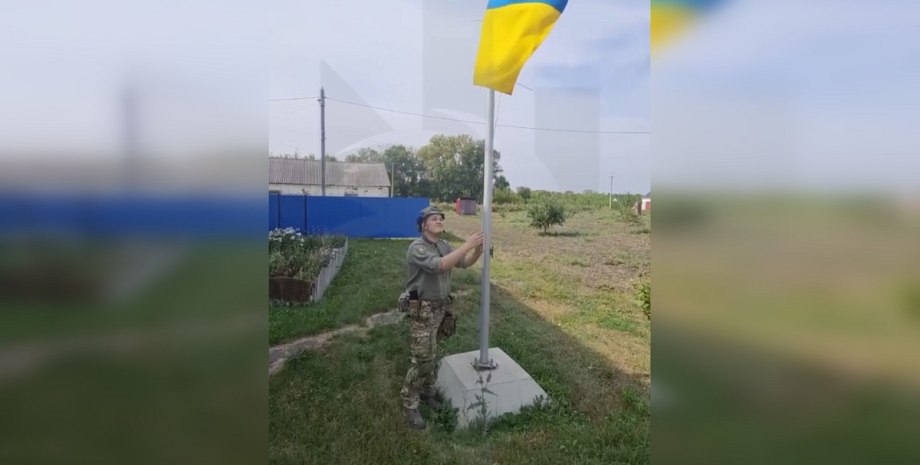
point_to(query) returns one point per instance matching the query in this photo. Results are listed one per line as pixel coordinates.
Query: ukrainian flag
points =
(511, 31)
(672, 17)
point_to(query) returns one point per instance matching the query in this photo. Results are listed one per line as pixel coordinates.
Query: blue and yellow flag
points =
(511, 31)
(670, 18)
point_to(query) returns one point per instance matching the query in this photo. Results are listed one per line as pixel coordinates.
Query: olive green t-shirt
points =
(424, 275)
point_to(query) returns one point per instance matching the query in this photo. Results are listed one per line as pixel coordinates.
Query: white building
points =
(300, 176)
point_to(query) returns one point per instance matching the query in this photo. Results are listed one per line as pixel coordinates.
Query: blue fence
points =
(133, 215)
(365, 217)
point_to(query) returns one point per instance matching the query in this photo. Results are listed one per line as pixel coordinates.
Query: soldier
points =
(426, 300)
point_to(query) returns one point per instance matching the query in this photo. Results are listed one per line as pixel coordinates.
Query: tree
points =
(545, 214)
(409, 171)
(501, 182)
(524, 193)
(454, 166)
(365, 155)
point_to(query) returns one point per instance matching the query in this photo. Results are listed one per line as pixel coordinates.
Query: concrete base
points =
(458, 381)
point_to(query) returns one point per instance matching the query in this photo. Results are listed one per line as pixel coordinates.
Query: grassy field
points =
(562, 306)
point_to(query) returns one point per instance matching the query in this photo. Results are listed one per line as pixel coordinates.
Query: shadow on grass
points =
(342, 405)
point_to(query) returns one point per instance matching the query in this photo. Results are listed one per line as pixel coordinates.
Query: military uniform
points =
(425, 315)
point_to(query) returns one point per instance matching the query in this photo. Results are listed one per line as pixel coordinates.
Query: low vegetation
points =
(295, 255)
(545, 214)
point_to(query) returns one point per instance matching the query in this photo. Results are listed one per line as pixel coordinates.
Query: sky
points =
(819, 94)
(590, 74)
(787, 95)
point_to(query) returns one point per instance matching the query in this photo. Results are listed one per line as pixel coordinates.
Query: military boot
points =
(414, 418)
(431, 400)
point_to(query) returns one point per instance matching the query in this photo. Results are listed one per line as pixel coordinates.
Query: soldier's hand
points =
(475, 239)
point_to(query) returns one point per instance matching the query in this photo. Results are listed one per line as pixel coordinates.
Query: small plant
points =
(545, 214)
(629, 216)
(644, 294)
(481, 404)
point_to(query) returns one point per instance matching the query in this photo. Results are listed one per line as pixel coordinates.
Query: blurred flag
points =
(511, 31)
(671, 17)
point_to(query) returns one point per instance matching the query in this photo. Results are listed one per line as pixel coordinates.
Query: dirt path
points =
(279, 354)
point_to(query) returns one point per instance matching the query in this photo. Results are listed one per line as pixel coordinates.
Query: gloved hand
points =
(402, 303)
(448, 326)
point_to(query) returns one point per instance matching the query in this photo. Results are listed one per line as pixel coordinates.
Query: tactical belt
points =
(446, 301)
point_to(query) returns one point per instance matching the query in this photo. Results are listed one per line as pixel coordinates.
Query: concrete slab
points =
(513, 387)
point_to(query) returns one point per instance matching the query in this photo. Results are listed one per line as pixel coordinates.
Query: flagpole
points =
(484, 361)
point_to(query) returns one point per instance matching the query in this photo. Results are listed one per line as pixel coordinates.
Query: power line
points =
(293, 98)
(479, 122)
(293, 111)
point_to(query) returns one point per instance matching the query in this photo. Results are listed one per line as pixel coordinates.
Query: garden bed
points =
(301, 267)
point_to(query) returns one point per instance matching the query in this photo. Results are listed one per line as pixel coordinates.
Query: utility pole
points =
(611, 192)
(322, 137)
(392, 176)
(129, 131)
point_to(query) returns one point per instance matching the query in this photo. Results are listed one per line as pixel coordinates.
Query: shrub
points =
(629, 216)
(545, 214)
(505, 196)
(644, 294)
(523, 193)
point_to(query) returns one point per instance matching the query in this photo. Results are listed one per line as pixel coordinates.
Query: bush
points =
(505, 196)
(545, 214)
(524, 193)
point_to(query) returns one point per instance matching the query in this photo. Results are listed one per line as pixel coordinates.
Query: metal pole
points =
(129, 116)
(322, 137)
(484, 361)
(611, 191)
(392, 177)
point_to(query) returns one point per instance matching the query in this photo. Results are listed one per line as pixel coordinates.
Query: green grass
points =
(370, 281)
(556, 308)
(341, 405)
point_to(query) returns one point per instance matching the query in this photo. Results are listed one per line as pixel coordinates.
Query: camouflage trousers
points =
(421, 378)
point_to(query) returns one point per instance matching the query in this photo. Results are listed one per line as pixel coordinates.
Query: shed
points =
(465, 206)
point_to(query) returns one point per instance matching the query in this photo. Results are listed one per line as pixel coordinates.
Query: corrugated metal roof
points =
(338, 173)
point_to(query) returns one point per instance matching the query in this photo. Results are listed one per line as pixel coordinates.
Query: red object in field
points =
(465, 206)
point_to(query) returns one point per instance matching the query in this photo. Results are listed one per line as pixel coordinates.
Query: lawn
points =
(563, 306)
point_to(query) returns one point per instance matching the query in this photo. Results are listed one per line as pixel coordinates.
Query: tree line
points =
(445, 168)
(448, 167)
